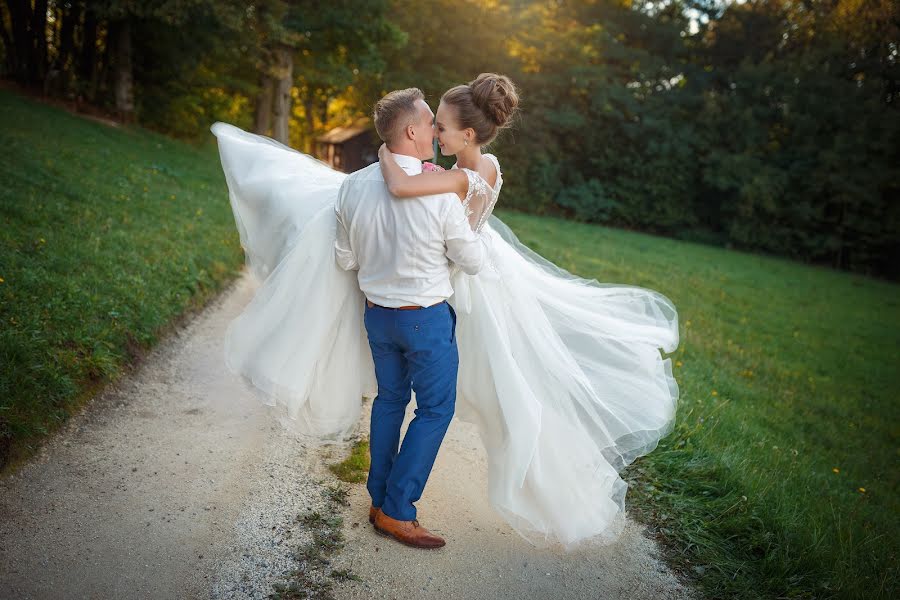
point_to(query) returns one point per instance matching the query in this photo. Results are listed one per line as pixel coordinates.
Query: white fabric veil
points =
(564, 379)
(300, 342)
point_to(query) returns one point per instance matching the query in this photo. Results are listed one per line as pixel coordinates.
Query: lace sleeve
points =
(491, 196)
(479, 205)
(475, 197)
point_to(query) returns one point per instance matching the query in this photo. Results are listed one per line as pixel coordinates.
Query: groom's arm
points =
(343, 251)
(466, 248)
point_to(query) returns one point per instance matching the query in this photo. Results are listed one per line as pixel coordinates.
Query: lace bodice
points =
(481, 197)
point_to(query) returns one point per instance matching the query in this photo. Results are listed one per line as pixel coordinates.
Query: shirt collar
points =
(410, 164)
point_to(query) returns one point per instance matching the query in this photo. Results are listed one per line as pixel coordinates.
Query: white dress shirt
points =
(401, 246)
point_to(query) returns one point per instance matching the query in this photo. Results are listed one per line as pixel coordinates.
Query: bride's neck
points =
(470, 158)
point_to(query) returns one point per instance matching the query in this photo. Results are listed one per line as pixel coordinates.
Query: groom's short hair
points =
(395, 111)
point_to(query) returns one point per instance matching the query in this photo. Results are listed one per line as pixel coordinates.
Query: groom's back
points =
(398, 242)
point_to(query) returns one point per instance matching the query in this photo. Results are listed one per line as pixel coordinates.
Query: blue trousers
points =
(412, 350)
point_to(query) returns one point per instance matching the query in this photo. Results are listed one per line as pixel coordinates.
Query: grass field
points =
(107, 236)
(780, 480)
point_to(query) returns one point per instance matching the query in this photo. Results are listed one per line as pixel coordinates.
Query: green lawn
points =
(108, 235)
(780, 479)
(788, 374)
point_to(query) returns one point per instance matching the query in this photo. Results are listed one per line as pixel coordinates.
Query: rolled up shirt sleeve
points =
(467, 249)
(343, 251)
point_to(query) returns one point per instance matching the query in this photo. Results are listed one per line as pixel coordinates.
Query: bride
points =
(562, 376)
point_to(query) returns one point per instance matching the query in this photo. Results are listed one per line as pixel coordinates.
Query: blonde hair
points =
(395, 111)
(486, 104)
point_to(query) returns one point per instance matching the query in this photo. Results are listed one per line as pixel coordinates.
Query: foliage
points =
(354, 468)
(339, 61)
(809, 166)
(765, 125)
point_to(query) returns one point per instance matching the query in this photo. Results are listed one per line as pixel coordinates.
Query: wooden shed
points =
(349, 148)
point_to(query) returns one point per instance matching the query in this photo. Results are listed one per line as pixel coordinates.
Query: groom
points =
(401, 249)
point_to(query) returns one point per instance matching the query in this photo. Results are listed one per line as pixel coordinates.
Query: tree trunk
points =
(70, 17)
(100, 84)
(87, 58)
(20, 18)
(120, 43)
(324, 108)
(310, 123)
(64, 61)
(263, 120)
(39, 41)
(284, 62)
(9, 53)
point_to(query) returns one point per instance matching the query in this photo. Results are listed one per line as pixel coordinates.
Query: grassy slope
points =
(107, 236)
(786, 373)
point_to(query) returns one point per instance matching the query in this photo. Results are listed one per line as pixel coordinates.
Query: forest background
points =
(765, 126)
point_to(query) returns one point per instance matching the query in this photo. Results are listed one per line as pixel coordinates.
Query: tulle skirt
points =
(562, 376)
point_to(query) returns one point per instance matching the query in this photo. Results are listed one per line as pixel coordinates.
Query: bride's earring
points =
(466, 141)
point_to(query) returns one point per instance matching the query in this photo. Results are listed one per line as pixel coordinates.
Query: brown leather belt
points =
(371, 304)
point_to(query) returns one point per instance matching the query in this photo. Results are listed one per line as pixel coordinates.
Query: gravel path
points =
(177, 483)
(484, 557)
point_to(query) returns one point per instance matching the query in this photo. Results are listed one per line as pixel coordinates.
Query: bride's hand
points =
(381, 150)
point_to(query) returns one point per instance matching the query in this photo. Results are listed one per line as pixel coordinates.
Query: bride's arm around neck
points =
(403, 185)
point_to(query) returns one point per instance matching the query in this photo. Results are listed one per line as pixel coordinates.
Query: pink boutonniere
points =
(427, 166)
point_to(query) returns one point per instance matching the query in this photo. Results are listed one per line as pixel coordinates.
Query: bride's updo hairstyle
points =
(486, 104)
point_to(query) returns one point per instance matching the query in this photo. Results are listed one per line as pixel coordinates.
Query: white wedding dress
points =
(562, 376)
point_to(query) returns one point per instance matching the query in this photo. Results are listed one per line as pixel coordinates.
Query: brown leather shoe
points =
(407, 532)
(372, 512)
